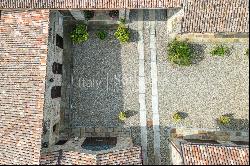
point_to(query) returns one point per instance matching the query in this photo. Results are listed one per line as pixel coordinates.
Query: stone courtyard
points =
(104, 78)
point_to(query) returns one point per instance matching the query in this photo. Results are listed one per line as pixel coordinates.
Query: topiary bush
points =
(179, 52)
(88, 14)
(177, 117)
(219, 50)
(224, 120)
(122, 33)
(79, 34)
(101, 34)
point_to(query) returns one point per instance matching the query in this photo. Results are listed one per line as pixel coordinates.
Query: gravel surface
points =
(204, 91)
(105, 81)
(211, 87)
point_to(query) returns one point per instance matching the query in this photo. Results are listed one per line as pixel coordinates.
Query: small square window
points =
(61, 142)
(57, 68)
(59, 41)
(56, 92)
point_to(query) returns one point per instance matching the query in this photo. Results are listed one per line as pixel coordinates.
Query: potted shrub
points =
(177, 117)
(122, 33)
(122, 116)
(79, 34)
(224, 120)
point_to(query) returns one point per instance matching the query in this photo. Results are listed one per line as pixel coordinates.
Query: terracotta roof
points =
(23, 54)
(216, 16)
(129, 156)
(208, 154)
(90, 4)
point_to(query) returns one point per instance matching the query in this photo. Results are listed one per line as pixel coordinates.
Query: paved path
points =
(156, 124)
(142, 95)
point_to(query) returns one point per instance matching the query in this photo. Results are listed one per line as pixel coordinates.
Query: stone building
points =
(33, 119)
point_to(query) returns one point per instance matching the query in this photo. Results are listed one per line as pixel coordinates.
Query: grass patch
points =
(179, 52)
(220, 50)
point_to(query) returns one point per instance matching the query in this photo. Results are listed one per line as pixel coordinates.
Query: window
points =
(59, 41)
(61, 142)
(57, 68)
(56, 92)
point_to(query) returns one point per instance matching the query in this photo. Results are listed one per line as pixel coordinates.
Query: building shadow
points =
(197, 52)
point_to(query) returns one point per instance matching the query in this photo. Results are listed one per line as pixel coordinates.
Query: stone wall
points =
(206, 134)
(52, 105)
(175, 155)
(101, 132)
(174, 20)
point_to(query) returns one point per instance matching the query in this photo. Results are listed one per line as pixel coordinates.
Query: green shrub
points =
(101, 34)
(122, 33)
(122, 116)
(79, 34)
(179, 52)
(220, 50)
(122, 20)
(224, 119)
(177, 116)
(88, 14)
